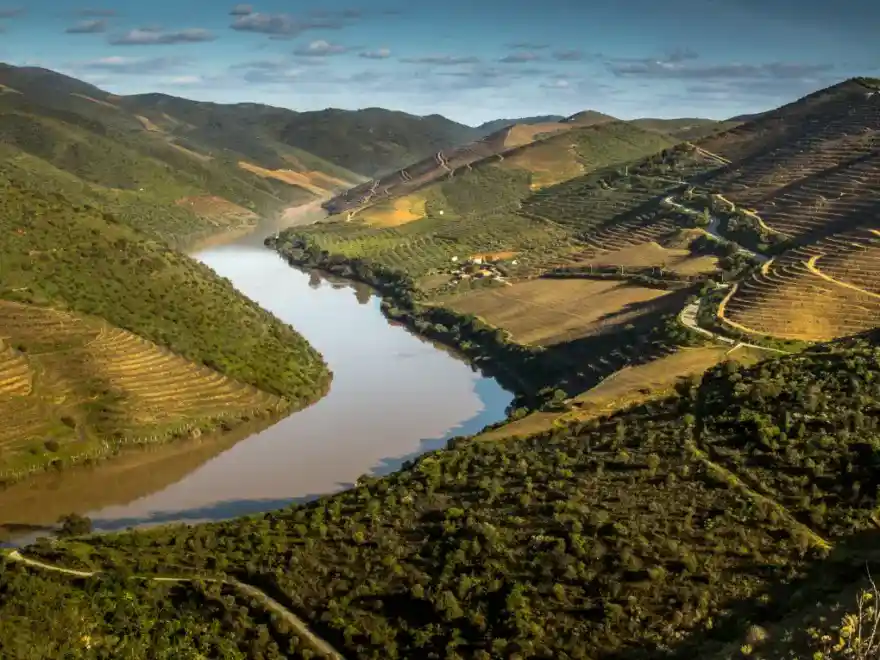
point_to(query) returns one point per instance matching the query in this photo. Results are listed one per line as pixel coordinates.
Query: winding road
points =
(689, 314)
(298, 625)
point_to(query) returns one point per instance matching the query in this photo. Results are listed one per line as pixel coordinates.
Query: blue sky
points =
(470, 60)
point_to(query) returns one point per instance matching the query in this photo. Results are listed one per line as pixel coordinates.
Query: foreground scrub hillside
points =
(109, 336)
(667, 530)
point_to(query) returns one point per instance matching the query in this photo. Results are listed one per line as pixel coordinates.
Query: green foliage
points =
(76, 256)
(677, 523)
(54, 616)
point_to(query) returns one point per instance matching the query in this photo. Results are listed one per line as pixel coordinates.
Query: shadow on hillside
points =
(213, 512)
(582, 363)
(821, 579)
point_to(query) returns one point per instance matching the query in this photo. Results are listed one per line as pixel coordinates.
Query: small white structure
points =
(477, 260)
(454, 259)
(440, 212)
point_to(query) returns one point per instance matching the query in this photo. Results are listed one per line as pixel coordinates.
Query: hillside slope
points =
(124, 160)
(664, 531)
(167, 343)
(544, 152)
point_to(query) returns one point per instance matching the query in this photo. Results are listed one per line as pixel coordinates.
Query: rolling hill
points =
(546, 152)
(95, 354)
(489, 127)
(684, 528)
(760, 237)
(129, 157)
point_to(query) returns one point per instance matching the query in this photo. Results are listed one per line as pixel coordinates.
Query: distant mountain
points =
(179, 170)
(497, 124)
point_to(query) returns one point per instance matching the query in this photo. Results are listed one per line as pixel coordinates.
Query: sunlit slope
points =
(73, 387)
(503, 178)
(130, 158)
(805, 178)
(58, 253)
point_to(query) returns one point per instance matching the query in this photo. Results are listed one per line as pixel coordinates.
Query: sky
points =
(470, 60)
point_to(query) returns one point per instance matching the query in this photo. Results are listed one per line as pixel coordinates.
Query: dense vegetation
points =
(671, 526)
(58, 252)
(44, 615)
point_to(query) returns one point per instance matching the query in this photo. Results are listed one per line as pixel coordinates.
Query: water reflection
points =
(394, 396)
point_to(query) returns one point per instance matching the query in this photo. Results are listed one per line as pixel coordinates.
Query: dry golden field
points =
(549, 311)
(304, 180)
(395, 212)
(654, 255)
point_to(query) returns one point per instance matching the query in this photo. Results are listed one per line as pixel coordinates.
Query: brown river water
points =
(394, 396)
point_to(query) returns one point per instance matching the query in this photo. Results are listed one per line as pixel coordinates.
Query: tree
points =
(74, 524)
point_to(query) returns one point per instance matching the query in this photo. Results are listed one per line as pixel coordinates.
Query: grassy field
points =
(544, 312)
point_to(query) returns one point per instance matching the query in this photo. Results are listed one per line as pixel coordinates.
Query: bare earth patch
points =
(545, 312)
(521, 134)
(305, 180)
(650, 255)
(94, 100)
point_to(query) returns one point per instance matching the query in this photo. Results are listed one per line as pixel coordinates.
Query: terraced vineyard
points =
(616, 208)
(73, 387)
(804, 294)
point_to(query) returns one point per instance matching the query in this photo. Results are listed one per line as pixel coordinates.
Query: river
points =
(394, 396)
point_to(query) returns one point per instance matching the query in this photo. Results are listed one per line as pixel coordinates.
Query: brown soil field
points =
(148, 125)
(547, 311)
(93, 100)
(547, 163)
(521, 134)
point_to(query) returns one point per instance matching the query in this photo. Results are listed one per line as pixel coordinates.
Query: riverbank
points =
(518, 368)
(394, 396)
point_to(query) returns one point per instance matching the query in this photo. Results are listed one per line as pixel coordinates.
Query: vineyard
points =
(832, 111)
(429, 244)
(790, 298)
(73, 387)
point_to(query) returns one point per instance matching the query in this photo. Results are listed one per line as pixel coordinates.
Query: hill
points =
(176, 189)
(96, 354)
(679, 528)
(537, 262)
(544, 153)
(687, 128)
(489, 127)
